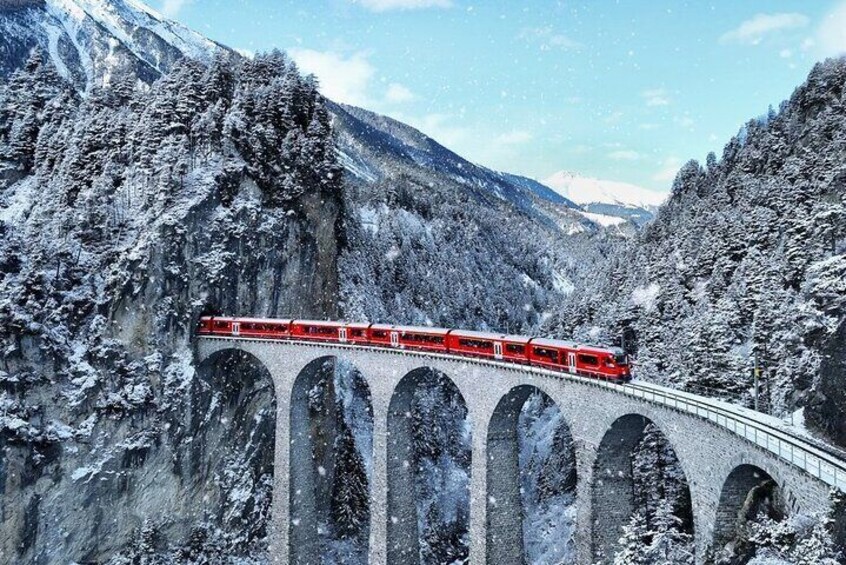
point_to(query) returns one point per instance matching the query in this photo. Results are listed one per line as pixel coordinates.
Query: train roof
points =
(421, 330)
(411, 329)
(253, 320)
(262, 320)
(490, 336)
(544, 342)
(331, 324)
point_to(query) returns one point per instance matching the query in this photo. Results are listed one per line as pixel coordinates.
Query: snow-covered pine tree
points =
(350, 494)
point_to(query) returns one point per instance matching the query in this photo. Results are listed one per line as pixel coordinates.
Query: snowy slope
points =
(89, 41)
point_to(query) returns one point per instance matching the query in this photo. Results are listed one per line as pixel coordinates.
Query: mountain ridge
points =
(91, 41)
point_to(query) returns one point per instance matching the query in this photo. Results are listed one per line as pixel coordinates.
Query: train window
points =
(621, 359)
(381, 334)
(219, 324)
(550, 354)
(475, 343)
(588, 359)
(423, 338)
(357, 333)
(515, 349)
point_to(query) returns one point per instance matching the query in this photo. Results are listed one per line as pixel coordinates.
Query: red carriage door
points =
(342, 335)
(395, 339)
(498, 349)
(571, 360)
(236, 329)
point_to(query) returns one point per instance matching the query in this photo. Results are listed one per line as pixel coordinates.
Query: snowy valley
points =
(149, 176)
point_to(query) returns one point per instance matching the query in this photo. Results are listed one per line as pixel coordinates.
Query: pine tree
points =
(350, 494)
(634, 542)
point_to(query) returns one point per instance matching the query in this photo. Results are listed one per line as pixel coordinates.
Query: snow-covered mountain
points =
(606, 201)
(373, 148)
(91, 41)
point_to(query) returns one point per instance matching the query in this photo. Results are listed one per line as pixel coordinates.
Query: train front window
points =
(621, 359)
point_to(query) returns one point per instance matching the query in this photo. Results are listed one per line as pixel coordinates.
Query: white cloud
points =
(785, 53)
(387, 5)
(547, 38)
(753, 30)
(440, 127)
(685, 121)
(514, 137)
(667, 170)
(831, 35)
(655, 97)
(398, 94)
(171, 8)
(624, 155)
(342, 79)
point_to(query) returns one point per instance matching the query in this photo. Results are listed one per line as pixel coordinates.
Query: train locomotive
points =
(607, 363)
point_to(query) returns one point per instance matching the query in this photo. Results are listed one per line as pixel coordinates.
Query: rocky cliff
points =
(125, 215)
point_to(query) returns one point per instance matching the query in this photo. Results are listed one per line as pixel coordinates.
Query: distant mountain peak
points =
(587, 190)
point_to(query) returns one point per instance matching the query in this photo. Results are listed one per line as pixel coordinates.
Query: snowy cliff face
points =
(746, 259)
(91, 42)
(826, 411)
(124, 215)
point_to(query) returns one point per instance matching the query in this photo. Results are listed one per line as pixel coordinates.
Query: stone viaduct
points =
(722, 464)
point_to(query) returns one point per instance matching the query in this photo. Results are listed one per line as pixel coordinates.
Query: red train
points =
(586, 360)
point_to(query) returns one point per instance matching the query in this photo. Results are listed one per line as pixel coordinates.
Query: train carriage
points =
(313, 330)
(218, 326)
(357, 333)
(489, 345)
(609, 363)
(263, 328)
(428, 339)
(551, 353)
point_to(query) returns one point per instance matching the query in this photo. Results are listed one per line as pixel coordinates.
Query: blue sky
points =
(624, 90)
